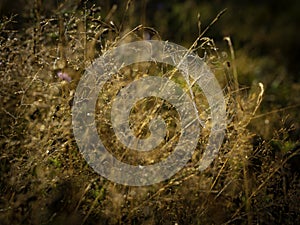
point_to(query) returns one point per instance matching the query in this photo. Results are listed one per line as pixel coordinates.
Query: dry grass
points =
(45, 180)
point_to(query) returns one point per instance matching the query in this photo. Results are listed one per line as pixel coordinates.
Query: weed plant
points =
(45, 179)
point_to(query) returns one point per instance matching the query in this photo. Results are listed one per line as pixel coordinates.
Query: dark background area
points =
(262, 27)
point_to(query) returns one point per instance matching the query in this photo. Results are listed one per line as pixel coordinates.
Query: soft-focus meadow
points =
(252, 48)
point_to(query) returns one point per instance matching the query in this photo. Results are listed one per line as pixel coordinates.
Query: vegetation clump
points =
(44, 178)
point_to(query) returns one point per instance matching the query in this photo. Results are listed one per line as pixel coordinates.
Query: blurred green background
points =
(263, 28)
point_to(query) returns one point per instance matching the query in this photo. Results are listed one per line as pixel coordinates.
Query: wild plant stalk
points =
(40, 153)
(37, 29)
